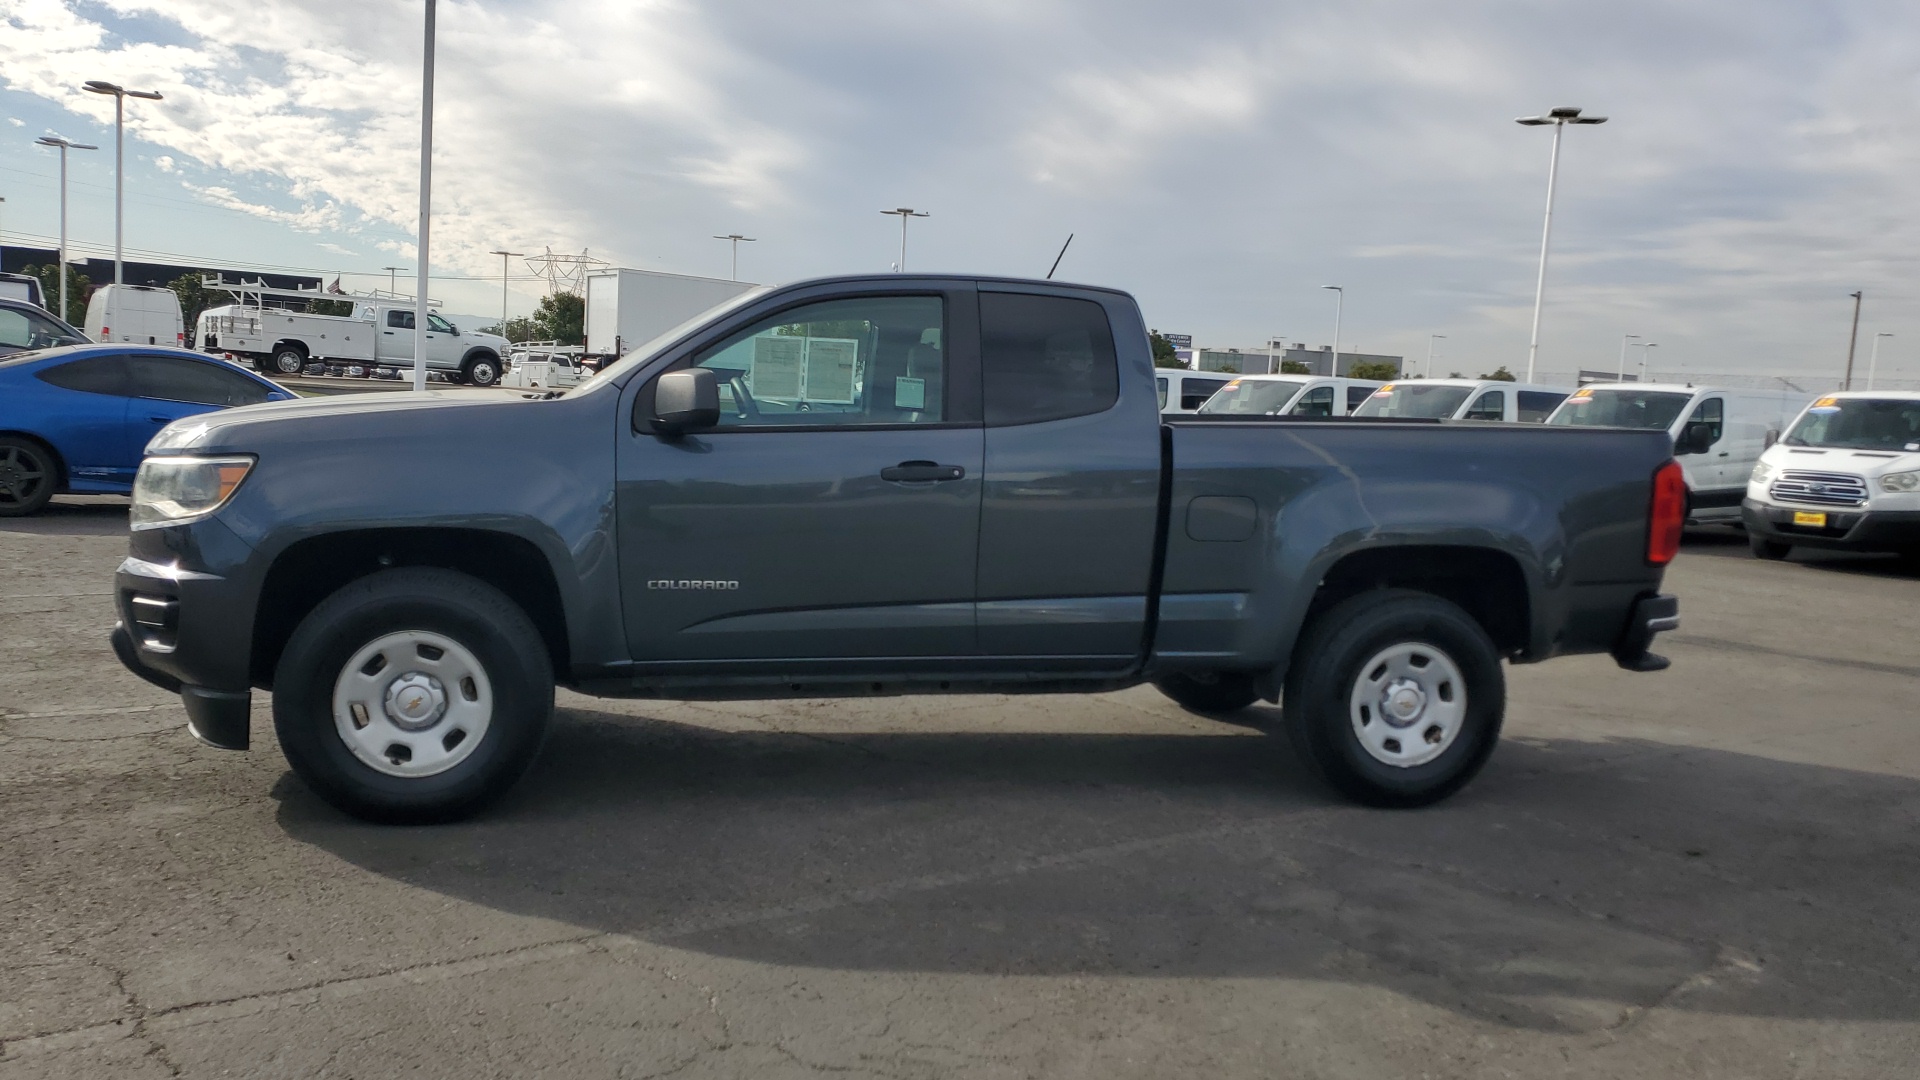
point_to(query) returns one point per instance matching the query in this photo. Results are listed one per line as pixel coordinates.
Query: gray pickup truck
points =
(873, 485)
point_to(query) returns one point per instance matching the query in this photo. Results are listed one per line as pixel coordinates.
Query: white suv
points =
(1847, 475)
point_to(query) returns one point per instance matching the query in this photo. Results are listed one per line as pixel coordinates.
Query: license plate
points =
(1802, 517)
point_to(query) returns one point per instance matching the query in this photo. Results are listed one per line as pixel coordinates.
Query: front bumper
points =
(1853, 530)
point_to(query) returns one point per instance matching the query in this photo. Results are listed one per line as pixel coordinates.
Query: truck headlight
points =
(169, 490)
(1901, 481)
(1762, 472)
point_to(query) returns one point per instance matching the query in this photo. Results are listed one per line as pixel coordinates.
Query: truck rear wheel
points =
(413, 695)
(1395, 697)
(1210, 693)
(288, 361)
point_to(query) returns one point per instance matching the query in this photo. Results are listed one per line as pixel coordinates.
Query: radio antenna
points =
(1057, 258)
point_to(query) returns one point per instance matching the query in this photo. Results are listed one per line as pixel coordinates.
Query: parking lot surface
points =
(1708, 872)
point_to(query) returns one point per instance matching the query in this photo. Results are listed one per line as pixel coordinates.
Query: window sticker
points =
(909, 393)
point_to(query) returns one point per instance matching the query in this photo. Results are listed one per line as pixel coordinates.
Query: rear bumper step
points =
(1651, 615)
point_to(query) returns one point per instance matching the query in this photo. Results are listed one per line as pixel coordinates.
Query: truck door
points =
(443, 343)
(396, 336)
(1071, 505)
(832, 518)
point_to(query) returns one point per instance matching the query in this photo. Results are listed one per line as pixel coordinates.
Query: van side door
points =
(1071, 506)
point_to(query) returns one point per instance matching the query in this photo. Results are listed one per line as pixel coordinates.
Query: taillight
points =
(1668, 515)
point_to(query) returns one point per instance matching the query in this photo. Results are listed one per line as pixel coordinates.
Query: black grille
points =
(1820, 488)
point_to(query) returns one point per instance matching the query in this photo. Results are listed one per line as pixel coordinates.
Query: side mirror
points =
(1694, 439)
(685, 400)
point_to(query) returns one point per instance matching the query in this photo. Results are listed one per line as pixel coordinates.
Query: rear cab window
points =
(1045, 358)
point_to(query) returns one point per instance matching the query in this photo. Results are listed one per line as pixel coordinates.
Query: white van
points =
(141, 314)
(1718, 435)
(1186, 391)
(1288, 395)
(1464, 399)
(1846, 475)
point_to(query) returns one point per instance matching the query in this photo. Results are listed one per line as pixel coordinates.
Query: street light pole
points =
(426, 205)
(1873, 359)
(1339, 307)
(393, 285)
(737, 238)
(1431, 338)
(504, 256)
(1624, 338)
(1853, 339)
(64, 145)
(1559, 118)
(903, 213)
(1646, 350)
(120, 96)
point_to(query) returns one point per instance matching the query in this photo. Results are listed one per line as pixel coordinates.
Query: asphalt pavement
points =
(1707, 872)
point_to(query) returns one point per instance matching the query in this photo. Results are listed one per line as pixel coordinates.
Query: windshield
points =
(1248, 397)
(1859, 424)
(641, 354)
(1649, 410)
(1412, 399)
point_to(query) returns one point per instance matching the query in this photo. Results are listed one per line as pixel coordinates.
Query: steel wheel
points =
(483, 373)
(412, 703)
(1408, 704)
(289, 362)
(27, 477)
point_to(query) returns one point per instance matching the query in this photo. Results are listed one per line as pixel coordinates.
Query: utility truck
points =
(277, 331)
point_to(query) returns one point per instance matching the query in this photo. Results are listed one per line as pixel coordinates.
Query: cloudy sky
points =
(1220, 159)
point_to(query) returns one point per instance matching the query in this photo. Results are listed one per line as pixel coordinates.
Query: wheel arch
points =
(313, 568)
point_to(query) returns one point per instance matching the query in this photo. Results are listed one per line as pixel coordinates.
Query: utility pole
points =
(1431, 338)
(1624, 338)
(1339, 308)
(120, 96)
(1873, 358)
(1852, 340)
(736, 238)
(504, 256)
(393, 285)
(903, 213)
(1559, 118)
(64, 145)
(426, 205)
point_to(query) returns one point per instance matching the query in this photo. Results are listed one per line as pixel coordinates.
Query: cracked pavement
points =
(1704, 873)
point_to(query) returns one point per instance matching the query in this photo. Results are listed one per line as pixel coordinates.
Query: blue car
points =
(76, 419)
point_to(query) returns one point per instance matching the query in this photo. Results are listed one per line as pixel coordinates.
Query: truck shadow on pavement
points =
(1574, 886)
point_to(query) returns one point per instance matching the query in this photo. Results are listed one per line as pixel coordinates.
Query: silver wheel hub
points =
(412, 703)
(416, 701)
(1408, 704)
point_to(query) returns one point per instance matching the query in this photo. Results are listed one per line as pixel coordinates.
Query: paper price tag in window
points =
(909, 393)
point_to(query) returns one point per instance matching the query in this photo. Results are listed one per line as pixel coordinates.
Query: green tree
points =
(1378, 370)
(1163, 354)
(342, 308)
(561, 317)
(1501, 374)
(79, 287)
(1295, 367)
(195, 298)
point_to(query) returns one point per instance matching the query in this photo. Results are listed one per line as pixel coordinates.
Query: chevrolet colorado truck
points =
(898, 484)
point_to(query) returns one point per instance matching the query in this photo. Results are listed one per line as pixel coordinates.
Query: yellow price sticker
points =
(1825, 401)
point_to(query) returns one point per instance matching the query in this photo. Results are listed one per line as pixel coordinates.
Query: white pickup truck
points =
(283, 340)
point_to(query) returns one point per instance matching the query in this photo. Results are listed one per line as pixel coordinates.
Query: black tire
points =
(287, 362)
(1770, 550)
(29, 475)
(1210, 693)
(481, 371)
(1326, 670)
(469, 612)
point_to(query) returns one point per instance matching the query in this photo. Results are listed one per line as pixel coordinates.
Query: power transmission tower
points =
(564, 273)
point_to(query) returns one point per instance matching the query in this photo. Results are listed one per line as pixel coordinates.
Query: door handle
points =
(921, 472)
(160, 419)
(1725, 453)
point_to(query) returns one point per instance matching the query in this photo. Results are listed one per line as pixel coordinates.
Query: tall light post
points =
(1559, 118)
(120, 96)
(1339, 306)
(504, 257)
(393, 284)
(1873, 359)
(903, 213)
(1853, 339)
(426, 205)
(1431, 338)
(737, 239)
(1624, 338)
(64, 145)
(1646, 350)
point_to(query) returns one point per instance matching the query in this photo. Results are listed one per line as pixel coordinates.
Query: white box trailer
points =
(628, 308)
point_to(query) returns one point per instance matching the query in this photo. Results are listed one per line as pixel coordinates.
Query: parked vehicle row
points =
(1288, 395)
(1846, 476)
(1464, 399)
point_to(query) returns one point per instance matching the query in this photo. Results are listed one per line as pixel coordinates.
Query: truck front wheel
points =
(288, 361)
(481, 371)
(413, 695)
(1210, 693)
(1395, 697)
